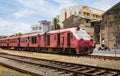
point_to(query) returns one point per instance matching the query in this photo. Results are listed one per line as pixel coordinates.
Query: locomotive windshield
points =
(82, 34)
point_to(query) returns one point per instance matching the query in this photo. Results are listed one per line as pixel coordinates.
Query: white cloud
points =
(32, 4)
(40, 7)
(44, 7)
(23, 13)
(65, 3)
(8, 27)
(104, 4)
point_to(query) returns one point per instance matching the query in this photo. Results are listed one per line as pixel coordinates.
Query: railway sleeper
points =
(99, 72)
(113, 73)
(73, 67)
(80, 69)
(88, 71)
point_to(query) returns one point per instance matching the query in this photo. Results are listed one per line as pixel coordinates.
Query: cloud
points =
(8, 27)
(45, 7)
(104, 4)
(65, 3)
(29, 11)
(23, 13)
(40, 7)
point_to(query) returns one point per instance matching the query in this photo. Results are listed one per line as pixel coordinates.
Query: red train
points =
(71, 40)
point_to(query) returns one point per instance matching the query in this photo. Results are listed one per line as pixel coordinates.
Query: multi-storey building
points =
(42, 26)
(110, 26)
(81, 11)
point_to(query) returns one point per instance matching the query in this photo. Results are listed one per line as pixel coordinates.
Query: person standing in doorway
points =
(115, 48)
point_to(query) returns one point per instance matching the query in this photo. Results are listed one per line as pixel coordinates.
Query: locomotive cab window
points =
(82, 34)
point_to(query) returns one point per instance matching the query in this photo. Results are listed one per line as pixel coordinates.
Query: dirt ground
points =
(9, 72)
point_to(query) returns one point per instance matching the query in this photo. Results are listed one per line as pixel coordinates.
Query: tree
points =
(55, 22)
(18, 34)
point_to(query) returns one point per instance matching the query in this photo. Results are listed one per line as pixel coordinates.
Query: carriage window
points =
(34, 40)
(82, 34)
(23, 39)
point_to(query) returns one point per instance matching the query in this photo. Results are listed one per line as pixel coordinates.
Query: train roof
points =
(63, 30)
(13, 37)
(4, 38)
(32, 34)
(29, 35)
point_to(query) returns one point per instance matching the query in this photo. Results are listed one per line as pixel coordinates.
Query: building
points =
(84, 23)
(81, 11)
(42, 26)
(110, 27)
(74, 20)
(96, 25)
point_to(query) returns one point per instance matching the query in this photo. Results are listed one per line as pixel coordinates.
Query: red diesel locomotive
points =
(71, 40)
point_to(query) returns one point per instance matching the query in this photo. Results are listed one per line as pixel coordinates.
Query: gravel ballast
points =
(80, 60)
(4, 71)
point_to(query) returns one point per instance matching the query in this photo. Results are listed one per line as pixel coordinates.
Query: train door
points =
(19, 42)
(58, 39)
(28, 41)
(48, 40)
(45, 42)
(39, 40)
(68, 39)
(62, 40)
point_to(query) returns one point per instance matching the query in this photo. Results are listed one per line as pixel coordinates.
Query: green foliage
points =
(18, 34)
(56, 25)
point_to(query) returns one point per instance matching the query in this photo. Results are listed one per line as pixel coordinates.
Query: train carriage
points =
(34, 40)
(4, 43)
(14, 42)
(24, 42)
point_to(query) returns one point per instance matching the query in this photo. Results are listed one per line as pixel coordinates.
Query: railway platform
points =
(106, 52)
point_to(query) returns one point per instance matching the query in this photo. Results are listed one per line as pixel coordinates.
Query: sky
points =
(19, 15)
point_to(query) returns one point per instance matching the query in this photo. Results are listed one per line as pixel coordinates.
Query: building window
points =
(88, 14)
(40, 28)
(87, 21)
(33, 28)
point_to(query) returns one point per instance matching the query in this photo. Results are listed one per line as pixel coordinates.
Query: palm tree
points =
(55, 22)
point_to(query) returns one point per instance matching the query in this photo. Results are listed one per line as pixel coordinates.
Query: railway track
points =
(72, 68)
